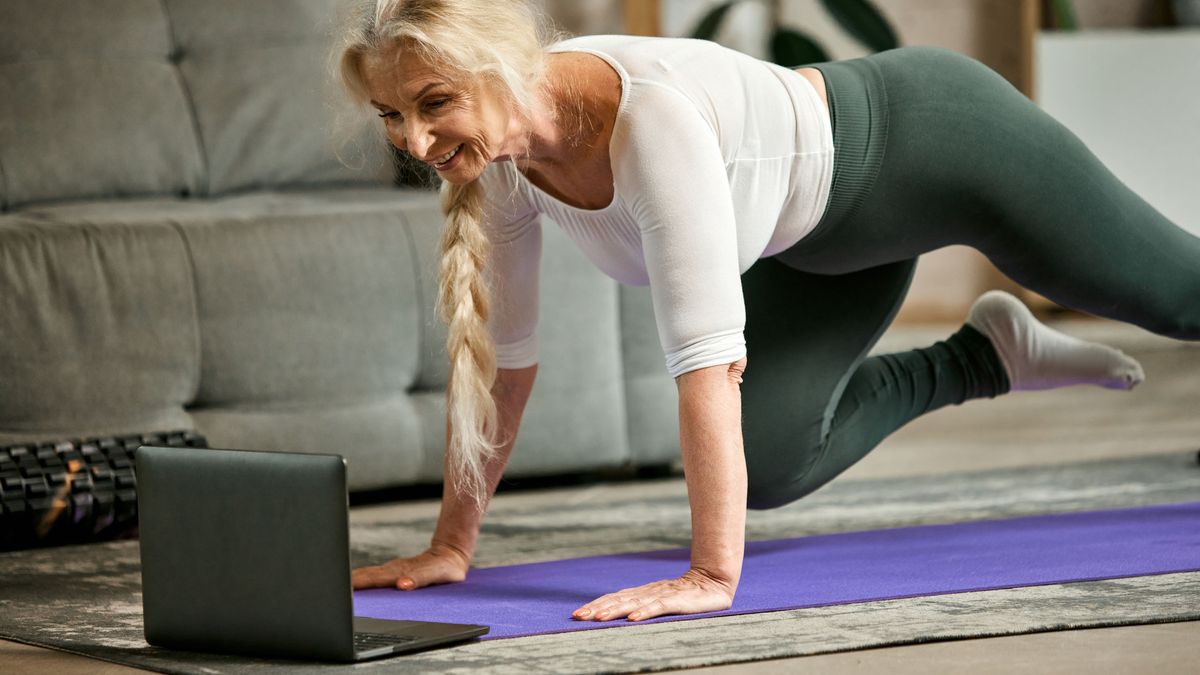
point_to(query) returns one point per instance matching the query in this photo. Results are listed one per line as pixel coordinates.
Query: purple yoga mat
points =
(828, 569)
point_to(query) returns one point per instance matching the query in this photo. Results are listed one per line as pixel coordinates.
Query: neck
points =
(558, 131)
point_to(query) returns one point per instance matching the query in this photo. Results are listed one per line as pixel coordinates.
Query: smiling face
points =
(457, 127)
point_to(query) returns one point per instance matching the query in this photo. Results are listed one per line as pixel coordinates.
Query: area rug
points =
(86, 599)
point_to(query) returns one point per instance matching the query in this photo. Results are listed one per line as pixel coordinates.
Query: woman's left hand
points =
(692, 593)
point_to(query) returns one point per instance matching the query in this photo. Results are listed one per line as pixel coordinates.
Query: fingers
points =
(635, 608)
(671, 596)
(371, 577)
(385, 576)
(419, 577)
(620, 604)
(408, 574)
(602, 607)
(655, 607)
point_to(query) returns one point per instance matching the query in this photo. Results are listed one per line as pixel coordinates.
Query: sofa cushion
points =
(575, 418)
(302, 321)
(651, 398)
(268, 108)
(381, 438)
(98, 329)
(315, 305)
(90, 104)
(309, 323)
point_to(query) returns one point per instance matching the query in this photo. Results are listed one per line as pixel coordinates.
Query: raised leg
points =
(969, 160)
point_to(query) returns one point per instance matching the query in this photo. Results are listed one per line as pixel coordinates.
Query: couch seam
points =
(198, 351)
(264, 405)
(4, 196)
(415, 266)
(631, 454)
(197, 133)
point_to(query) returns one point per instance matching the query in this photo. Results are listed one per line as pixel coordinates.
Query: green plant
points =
(1063, 12)
(789, 47)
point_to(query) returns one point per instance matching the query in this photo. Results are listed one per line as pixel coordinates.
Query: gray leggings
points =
(932, 149)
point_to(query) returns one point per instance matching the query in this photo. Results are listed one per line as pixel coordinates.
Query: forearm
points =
(714, 468)
(460, 518)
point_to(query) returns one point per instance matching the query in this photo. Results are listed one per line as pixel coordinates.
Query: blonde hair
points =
(500, 43)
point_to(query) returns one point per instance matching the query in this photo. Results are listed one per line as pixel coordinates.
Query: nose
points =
(418, 139)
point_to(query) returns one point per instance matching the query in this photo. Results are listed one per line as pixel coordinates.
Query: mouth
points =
(448, 160)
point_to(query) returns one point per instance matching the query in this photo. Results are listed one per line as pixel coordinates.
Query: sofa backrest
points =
(172, 97)
(265, 102)
(90, 103)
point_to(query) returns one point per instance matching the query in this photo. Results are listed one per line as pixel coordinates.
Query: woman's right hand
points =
(438, 565)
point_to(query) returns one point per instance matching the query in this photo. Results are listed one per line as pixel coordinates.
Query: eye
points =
(389, 115)
(434, 105)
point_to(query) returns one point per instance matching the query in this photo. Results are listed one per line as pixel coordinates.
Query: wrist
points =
(459, 555)
(719, 559)
(716, 580)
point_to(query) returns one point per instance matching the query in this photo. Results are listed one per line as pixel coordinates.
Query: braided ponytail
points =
(463, 306)
(500, 44)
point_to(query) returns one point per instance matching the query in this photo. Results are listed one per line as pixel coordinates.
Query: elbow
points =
(730, 373)
(736, 370)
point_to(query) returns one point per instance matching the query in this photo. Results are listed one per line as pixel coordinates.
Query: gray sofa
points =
(180, 248)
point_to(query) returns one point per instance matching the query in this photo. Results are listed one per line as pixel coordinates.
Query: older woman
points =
(771, 211)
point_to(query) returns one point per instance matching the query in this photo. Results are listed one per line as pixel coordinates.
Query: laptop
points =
(249, 552)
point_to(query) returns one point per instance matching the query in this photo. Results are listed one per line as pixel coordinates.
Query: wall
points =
(1134, 98)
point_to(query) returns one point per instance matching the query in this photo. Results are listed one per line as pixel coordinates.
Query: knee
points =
(1181, 330)
(772, 494)
(775, 479)
(1186, 330)
(1188, 325)
(1181, 324)
(760, 500)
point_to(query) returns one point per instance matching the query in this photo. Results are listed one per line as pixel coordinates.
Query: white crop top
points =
(718, 159)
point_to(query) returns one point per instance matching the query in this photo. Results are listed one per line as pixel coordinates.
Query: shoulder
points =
(655, 79)
(504, 199)
(658, 118)
(638, 52)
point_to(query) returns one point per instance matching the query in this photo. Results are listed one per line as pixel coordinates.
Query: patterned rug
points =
(86, 599)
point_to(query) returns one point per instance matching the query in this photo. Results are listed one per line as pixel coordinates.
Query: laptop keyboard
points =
(365, 641)
(74, 491)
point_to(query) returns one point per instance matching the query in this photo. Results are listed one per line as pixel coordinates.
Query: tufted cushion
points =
(309, 333)
(268, 109)
(304, 307)
(90, 104)
(98, 328)
(651, 397)
(576, 416)
(274, 321)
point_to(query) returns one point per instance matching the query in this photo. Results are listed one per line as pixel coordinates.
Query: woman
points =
(772, 212)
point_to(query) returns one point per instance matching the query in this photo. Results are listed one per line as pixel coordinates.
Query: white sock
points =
(1039, 357)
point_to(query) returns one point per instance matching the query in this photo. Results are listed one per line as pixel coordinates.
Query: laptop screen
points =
(245, 551)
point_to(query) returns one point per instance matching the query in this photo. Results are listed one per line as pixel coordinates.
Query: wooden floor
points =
(1020, 429)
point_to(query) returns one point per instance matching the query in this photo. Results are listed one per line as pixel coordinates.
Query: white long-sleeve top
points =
(718, 159)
